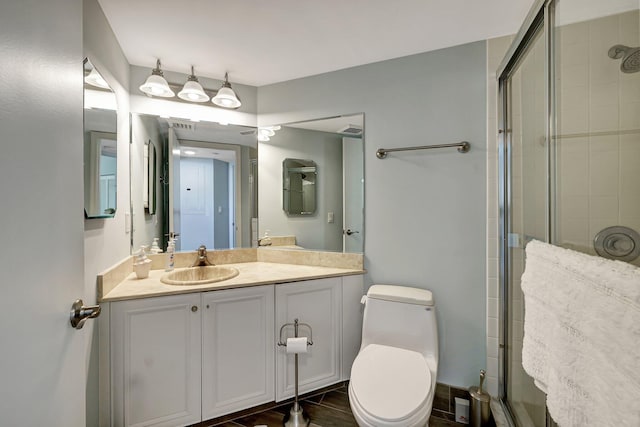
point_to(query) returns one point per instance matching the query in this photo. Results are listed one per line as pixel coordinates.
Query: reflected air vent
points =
(182, 125)
(352, 130)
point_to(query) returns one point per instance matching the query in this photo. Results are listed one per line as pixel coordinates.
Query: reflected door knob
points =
(80, 313)
(349, 232)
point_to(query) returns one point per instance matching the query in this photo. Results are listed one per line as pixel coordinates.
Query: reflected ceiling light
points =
(226, 97)
(189, 152)
(192, 90)
(266, 131)
(263, 138)
(95, 79)
(156, 85)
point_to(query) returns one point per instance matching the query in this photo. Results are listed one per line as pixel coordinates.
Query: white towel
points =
(582, 336)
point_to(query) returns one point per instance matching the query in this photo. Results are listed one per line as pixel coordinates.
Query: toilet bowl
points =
(393, 376)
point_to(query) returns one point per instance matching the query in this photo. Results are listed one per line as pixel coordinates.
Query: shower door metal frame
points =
(541, 17)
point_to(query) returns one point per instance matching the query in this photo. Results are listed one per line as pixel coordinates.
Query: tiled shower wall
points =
(599, 131)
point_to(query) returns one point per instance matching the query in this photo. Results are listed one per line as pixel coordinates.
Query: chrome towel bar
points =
(463, 147)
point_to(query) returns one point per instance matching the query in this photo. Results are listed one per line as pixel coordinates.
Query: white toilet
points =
(393, 377)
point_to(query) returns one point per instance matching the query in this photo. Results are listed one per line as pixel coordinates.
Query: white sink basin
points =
(199, 275)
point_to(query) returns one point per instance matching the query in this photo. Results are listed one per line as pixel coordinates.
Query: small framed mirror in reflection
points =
(299, 186)
(150, 177)
(100, 145)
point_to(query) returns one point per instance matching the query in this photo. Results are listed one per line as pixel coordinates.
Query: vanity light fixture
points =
(192, 90)
(95, 79)
(226, 97)
(156, 85)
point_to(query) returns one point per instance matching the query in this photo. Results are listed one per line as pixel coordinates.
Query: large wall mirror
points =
(325, 158)
(100, 145)
(196, 180)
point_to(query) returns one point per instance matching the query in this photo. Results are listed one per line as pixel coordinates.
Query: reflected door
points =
(174, 185)
(353, 187)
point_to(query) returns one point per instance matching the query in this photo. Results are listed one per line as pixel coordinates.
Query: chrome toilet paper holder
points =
(296, 417)
(296, 325)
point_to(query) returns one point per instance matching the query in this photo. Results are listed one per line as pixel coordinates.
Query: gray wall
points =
(425, 210)
(313, 231)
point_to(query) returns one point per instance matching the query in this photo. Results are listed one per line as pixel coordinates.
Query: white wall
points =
(105, 240)
(311, 231)
(425, 210)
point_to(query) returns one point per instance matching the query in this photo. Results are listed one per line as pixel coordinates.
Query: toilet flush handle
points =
(363, 300)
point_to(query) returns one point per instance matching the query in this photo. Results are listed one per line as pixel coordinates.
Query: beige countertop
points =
(250, 274)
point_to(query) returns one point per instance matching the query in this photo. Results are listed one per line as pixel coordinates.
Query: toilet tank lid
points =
(402, 294)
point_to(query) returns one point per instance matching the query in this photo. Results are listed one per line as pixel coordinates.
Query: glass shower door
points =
(526, 213)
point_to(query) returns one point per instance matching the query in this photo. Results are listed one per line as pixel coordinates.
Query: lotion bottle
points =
(170, 260)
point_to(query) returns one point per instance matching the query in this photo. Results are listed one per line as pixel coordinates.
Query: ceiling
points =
(264, 42)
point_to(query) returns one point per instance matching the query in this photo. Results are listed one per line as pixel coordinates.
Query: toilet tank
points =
(401, 316)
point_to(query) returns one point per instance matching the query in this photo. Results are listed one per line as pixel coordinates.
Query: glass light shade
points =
(157, 86)
(95, 79)
(266, 132)
(192, 91)
(226, 98)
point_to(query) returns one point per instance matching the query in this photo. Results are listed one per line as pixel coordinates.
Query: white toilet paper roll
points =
(297, 345)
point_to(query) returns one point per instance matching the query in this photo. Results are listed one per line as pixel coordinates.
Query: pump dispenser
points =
(155, 246)
(170, 256)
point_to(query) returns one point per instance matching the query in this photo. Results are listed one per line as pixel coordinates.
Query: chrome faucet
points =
(202, 260)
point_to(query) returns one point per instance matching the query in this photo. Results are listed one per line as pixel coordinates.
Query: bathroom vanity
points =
(178, 355)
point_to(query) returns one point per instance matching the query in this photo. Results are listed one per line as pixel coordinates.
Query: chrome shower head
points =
(630, 57)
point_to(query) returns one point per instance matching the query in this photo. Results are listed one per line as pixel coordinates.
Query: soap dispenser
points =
(155, 246)
(142, 264)
(170, 256)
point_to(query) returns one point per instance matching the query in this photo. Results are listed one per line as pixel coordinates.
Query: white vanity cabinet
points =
(237, 349)
(332, 308)
(155, 361)
(177, 360)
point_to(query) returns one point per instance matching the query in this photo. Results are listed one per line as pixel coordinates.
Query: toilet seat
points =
(390, 385)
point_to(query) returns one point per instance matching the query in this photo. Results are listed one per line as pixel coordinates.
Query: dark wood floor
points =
(329, 408)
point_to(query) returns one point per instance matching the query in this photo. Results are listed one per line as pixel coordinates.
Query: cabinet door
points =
(156, 356)
(318, 303)
(238, 350)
